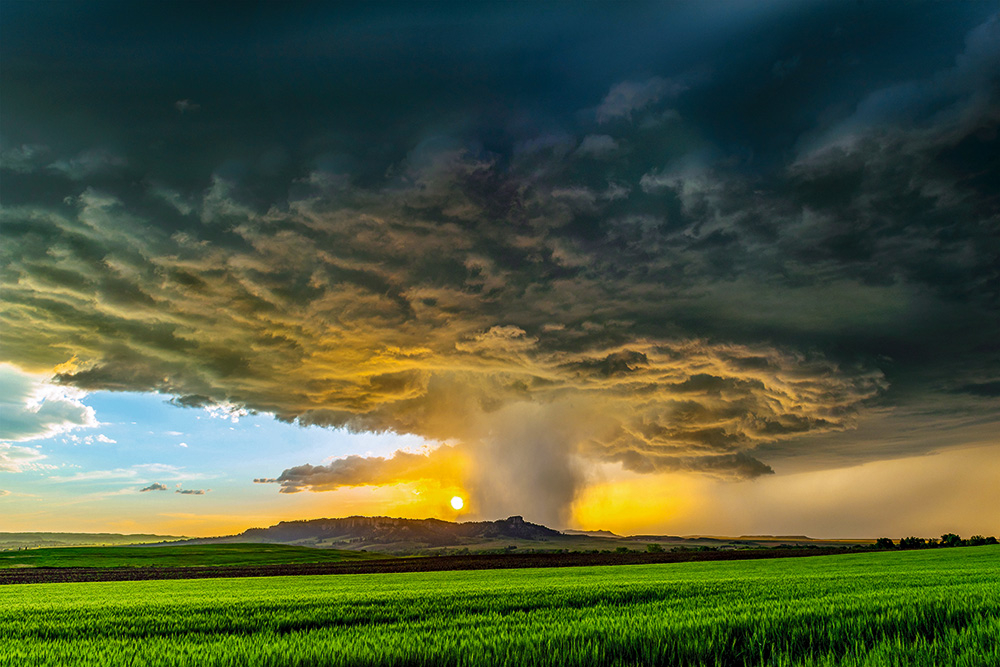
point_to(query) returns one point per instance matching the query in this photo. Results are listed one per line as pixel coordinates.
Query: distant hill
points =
(801, 538)
(591, 533)
(422, 536)
(9, 541)
(382, 530)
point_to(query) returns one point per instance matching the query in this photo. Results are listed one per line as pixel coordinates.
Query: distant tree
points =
(951, 540)
(884, 543)
(912, 543)
(622, 550)
(991, 540)
(978, 541)
(654, 548)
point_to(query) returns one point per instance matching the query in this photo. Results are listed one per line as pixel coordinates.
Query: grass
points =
(177, 555)
(894, 608)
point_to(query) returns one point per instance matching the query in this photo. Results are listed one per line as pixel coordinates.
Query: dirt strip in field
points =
(420, 564)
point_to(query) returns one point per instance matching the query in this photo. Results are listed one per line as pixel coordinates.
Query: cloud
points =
(91, 439)
(940, 109)
(226, 411)
(88, 163)
(627, 97)
(990, 389)
(186, 106)
(18, 459)
(677, 308)
(784, 68)
(358, 471)
(25, 158)
(137, 473)
(889, 169)
(192, 492)
(597, 145)
(155, 486)
(400, 310)
(4, 492)
(34, 408)
(526, 434)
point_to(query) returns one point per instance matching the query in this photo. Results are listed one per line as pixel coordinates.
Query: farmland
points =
(921, 607)
(176, 555)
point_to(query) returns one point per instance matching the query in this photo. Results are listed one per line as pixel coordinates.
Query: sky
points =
(651, 267)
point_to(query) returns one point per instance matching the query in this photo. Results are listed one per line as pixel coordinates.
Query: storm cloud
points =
(655, 265)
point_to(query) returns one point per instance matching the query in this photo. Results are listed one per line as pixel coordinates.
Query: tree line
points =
(947, 540)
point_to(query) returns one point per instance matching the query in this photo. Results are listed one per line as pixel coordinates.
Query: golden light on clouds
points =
(916, 495)
(628, 503)
(592, 307)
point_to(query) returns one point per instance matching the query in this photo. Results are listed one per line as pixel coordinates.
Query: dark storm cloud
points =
(186, 106)
(628, 97)
(989, 389)
(514, 229)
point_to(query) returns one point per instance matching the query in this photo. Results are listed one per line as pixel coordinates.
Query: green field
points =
(15, 541)
(177, 555)
(935, 607)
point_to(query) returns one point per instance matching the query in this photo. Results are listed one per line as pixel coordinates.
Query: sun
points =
(457, 502)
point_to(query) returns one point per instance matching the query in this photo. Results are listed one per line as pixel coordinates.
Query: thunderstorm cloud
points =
(648, 266)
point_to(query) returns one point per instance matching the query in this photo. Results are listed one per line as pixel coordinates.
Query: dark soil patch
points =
(421, 564)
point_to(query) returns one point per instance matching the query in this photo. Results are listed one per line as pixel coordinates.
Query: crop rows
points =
(913, 608)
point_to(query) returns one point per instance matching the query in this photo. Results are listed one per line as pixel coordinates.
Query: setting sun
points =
(457, 502)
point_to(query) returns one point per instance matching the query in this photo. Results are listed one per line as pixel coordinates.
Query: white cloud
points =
(98, 475)
(18, 459)
(183, 444)
(34, 408)
(226, 411)
(142, 473)
(91, 439)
